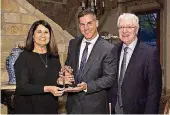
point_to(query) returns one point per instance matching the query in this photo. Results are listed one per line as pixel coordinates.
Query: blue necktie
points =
(83, 61)
(122, 72)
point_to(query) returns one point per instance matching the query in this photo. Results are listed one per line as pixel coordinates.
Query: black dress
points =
(31, 77)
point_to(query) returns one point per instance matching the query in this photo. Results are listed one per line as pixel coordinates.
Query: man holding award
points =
(93, 65)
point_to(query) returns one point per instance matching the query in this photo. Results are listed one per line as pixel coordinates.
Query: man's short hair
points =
(86, 12)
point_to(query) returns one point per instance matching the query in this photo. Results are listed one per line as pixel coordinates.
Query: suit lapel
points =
(95, 52)
(119, 48)
(77, 52)
(134, 59)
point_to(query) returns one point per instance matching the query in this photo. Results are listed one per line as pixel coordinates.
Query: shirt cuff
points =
(86, 88)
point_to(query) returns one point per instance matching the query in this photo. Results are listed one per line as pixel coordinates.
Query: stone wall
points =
(16, 18)
(63, 13)
(166, 36)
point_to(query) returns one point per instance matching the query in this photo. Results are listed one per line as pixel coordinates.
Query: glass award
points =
(68, 70)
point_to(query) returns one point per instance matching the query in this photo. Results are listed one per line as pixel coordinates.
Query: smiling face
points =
(88, 26)
(41, 36)
(128, 30)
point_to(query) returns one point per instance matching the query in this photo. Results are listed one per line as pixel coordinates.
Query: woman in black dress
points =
(37, 70)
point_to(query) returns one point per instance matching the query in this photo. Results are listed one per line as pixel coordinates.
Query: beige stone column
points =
(167, 46)
(120, 7)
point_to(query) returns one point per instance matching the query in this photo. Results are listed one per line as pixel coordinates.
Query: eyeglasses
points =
(127, 28)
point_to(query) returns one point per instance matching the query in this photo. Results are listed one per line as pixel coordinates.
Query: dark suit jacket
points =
(142, 84)
(99, 74)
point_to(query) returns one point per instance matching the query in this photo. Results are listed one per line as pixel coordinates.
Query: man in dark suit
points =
(94, 67)
(139, 73)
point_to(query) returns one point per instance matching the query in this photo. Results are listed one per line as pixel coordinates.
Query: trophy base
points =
(71, 85)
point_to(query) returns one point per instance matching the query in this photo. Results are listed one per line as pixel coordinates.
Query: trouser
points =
(118, 109)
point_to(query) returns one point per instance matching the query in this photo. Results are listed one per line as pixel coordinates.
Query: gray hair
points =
(129, 16)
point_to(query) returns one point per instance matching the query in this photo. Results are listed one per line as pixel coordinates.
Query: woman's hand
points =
(56, 91)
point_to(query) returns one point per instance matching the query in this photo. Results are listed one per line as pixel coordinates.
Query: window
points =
(149, 31)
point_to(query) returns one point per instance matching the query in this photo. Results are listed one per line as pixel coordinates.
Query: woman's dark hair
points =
(51, 46)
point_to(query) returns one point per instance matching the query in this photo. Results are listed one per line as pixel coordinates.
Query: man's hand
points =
(80, 87)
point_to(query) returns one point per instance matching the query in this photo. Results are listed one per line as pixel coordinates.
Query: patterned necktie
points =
(122, 72)
(83, 60)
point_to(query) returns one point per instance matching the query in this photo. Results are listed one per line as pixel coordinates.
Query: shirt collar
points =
(93, 41)
(132, 45)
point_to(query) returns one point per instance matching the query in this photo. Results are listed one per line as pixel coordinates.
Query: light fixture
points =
(98, 6)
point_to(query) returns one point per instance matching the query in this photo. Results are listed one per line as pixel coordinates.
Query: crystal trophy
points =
(68, 70)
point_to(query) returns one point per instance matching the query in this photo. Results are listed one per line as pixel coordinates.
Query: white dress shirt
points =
(130, 50)
(90, 47)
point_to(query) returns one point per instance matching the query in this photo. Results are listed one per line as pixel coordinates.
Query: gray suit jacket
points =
(99, 74)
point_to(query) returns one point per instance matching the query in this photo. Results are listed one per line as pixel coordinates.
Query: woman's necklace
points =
(45, 62)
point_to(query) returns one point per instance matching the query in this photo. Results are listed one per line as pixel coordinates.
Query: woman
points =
(37, 70)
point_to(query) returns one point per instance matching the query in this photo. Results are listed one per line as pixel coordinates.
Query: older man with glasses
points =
(139, 71)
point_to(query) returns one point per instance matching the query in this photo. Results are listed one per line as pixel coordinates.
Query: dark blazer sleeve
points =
(23, 86)
(109, 71)
(67, 62)
(154, 74)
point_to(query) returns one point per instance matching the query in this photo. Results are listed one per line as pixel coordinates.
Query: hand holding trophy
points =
(69, 82)
(66, 77)
(69, 76)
